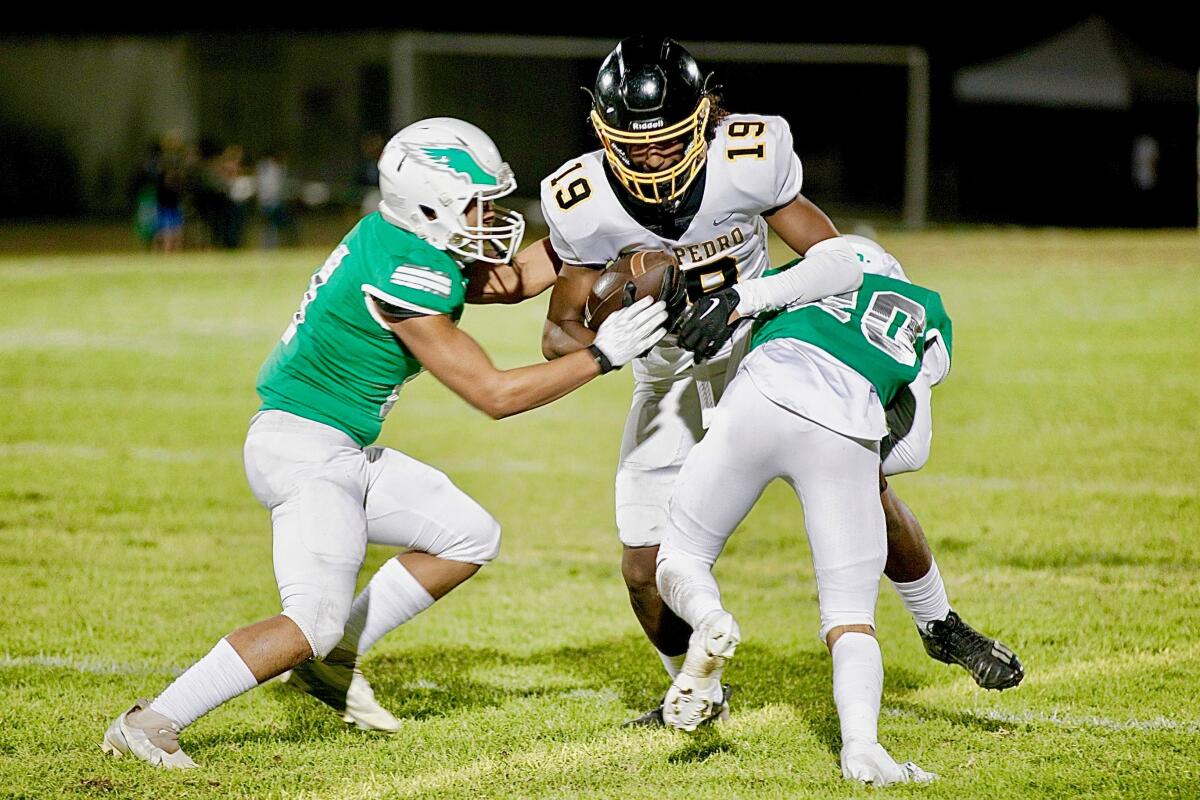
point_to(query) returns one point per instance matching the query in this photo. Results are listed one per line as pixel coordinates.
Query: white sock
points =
(688, 588)
(925, 598)
(392, 598)
(857, 685)
(672, 663)
(215, 679)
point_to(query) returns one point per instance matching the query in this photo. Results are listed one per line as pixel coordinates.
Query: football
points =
(653, 273)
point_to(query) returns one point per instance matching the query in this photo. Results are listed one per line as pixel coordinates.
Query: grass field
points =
(1062, 502)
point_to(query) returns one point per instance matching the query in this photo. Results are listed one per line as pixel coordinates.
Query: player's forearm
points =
(829, 267)
(559, 338)
(521, 389)
(531, 272)
(494, 283)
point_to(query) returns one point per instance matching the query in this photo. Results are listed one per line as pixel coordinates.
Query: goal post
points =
(409, 47)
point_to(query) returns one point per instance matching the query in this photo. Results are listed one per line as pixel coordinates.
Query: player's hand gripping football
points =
(705, 328)
(630, 331)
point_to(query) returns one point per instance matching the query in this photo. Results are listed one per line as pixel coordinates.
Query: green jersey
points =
(338, 363)
(879, 331)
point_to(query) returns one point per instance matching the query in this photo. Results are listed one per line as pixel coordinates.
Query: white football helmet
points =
(431, 172)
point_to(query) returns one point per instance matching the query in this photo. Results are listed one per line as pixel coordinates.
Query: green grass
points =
(1061, 501)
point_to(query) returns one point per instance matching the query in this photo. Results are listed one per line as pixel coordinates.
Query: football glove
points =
(705, 328)
(628, 332)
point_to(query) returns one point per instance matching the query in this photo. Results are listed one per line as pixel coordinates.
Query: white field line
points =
(512, 466)
(1058, 718)
(25, 339)
(232, 455)
(1058, 483)
(93, 666)
(167, 455)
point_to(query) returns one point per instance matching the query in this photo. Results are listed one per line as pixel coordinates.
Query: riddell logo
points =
(646, 124)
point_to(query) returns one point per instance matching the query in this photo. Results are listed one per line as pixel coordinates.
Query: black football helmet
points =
(650, 91)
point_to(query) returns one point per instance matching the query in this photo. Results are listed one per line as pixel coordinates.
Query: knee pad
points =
(322, 619)
(643, 498)
(477, 542)
(847, 594)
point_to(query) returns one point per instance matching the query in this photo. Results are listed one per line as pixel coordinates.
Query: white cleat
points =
(147, 735)
(692, 701)
(345, 689)
(870, 763)
(696, 696)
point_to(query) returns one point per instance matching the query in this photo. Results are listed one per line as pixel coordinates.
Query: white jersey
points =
(751, 169)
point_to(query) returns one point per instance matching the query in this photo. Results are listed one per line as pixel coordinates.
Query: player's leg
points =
(910, 565)
(447, 537)
(835, 478)
(304, 473)
(722, 479)
(662, 427)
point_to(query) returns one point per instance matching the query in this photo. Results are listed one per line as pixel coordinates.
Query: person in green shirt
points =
(807, 404)
(383, 307)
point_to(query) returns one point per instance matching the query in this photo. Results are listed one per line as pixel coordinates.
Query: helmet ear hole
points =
(429, 213)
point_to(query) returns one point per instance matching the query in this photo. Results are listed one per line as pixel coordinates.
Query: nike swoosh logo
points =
(722, 221)
(712, 303)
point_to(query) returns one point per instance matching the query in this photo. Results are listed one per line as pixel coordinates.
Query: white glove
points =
(628, 332)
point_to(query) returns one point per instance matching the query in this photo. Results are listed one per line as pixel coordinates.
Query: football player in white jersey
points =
(677, 172)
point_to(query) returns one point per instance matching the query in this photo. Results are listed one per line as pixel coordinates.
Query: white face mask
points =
(494, 243)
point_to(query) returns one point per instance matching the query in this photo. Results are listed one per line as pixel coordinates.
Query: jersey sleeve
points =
(789, 173)
(418, 288)
(562, 246)
(939, 340)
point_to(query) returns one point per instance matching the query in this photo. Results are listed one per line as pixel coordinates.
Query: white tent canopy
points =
(1087, 66)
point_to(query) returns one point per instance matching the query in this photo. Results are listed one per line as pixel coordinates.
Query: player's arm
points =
(531, 272)
(830, 265)
(457, 360)
(564, 331)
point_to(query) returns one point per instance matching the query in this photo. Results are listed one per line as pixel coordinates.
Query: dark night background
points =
(988, 162)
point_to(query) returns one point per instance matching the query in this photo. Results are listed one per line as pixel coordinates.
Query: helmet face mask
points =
(431, 174)
(649, 96)
(670, 182)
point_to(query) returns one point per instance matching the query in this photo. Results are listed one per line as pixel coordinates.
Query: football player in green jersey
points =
(382, 308)
(806, 404)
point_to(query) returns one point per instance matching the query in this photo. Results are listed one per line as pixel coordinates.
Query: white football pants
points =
(663, 426)
(910, 428)
(328, 497)
(752, 441)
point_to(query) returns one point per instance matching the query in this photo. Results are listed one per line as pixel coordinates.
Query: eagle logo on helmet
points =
(453, 159)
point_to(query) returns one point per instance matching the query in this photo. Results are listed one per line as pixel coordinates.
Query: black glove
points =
(705, 328)
(674, 294)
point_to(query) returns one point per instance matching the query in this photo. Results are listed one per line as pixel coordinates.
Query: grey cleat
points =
(147, 735)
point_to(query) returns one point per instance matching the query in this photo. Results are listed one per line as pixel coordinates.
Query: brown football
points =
(653, 273)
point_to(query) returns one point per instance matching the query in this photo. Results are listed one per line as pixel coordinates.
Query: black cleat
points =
(654, 717)
(991, 664)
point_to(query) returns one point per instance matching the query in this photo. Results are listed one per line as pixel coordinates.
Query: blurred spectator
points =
(238, 189)
(1145, 163)
(145, 197)
(271, 181)
(170, 179)
(206, 190)
(366, 177)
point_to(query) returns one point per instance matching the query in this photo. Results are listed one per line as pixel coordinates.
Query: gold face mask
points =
(666, 184)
